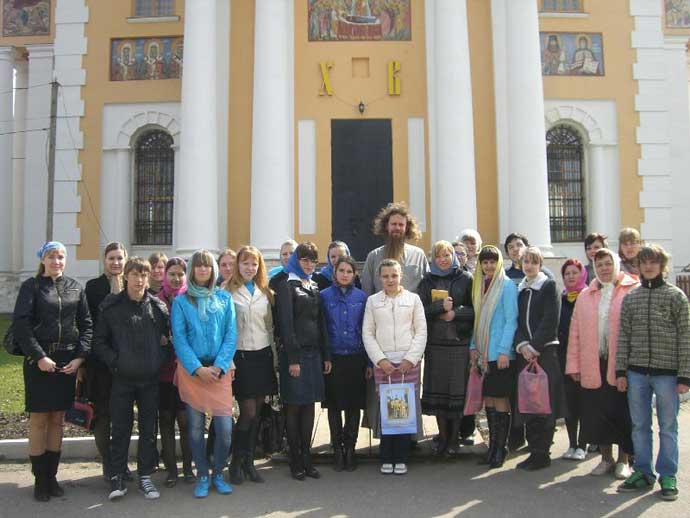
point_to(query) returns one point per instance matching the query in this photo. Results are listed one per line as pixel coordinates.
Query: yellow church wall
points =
(21, 41)
(348, 91)
(613, 20)
(108, 20)
(240, 122)
(481, 62)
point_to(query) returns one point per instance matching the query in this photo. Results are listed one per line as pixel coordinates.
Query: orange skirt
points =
(211, 398)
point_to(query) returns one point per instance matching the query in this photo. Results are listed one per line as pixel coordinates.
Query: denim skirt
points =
(308, 387)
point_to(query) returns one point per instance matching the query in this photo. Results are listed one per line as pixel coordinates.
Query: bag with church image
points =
(398, 408)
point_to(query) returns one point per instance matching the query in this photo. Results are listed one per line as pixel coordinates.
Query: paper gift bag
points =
(398, 408)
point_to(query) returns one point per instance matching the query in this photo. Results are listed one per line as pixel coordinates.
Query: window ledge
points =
(153, 19)
(553, 14)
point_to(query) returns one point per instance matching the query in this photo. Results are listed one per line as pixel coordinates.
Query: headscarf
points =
(169, 293)
(572, 293)
(293, 266)
(605, 302)
(204, 296)
(327, 271)
(47, 247)
(485, 304)
(616, 266)
(444, 273)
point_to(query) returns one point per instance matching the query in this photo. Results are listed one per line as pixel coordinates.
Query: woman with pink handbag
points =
(536, 342)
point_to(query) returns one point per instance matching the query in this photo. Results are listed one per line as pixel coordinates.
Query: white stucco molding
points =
(586, 121)
(132, 126)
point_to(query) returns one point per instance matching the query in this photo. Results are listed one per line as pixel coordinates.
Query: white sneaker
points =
(568, 455)
(400, 469)
(623, 471)
(148, 489)
(387, 468)
(603, 468)
(579, 454)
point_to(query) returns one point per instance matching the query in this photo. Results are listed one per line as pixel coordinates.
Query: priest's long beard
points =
(394, 248)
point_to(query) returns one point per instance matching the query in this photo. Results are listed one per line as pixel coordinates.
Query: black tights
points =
(300, 422)
(250, 409)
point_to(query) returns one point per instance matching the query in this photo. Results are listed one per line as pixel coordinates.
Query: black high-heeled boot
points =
(236, 473)
(502, 424)
(52, 461)
(38, 468)
(248, 455)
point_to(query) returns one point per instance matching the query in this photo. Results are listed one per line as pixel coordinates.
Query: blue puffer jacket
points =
(504, 323)
(344, 315)
(213, 341)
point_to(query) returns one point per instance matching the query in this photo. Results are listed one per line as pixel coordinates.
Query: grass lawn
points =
(11, 377)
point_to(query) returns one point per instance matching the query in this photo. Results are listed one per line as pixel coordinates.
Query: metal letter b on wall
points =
(326, 87)
(393, 78)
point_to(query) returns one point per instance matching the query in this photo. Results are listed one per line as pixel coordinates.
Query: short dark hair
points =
(137, 264)
(489, 253)
(512, 237)
(307, 250)
(345, 259)
(656, 254)
(595, 236)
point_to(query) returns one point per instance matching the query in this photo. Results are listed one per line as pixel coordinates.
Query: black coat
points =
(538, 313)
(62, 320)
(459, 287)
(301, 322)
(128, 337)
(96, 291)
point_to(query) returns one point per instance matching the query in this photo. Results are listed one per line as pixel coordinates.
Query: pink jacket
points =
(583, 343)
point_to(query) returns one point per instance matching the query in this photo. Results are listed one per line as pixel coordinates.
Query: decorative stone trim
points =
(148, 118)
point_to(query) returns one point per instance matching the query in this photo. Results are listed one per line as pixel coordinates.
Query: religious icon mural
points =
(356, 20)
(571, 54)
(678, 14)
(146, 58)
(25, 17)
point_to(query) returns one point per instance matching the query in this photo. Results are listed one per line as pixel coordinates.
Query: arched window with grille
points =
(564, 153)
(154, 164)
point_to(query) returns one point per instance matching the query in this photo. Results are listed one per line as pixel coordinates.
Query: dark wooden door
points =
(362, 180)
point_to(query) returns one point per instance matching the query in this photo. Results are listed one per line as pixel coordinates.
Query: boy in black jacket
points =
(132, 340)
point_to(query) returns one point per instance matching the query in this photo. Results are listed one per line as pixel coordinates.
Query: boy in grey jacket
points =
(653, 357)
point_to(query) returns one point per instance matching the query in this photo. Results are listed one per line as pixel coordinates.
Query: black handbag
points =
(9, 342)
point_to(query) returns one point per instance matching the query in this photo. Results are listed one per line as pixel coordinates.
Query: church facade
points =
(213, 123)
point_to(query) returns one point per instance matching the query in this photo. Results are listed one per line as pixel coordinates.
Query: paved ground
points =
(431, 489)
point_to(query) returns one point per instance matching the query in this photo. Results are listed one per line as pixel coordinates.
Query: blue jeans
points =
(640, 390)
(221, 447)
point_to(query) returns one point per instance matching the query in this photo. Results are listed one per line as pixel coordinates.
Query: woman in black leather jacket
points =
(446, 293)
(52, 325)
(304, 356)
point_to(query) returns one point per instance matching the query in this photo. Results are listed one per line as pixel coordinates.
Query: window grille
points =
(564, 153)
(154, 189)
(153, 8)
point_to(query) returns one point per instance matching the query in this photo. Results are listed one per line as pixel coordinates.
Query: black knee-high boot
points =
(491, 421)
(350, 433)
(541, 447)
(248, 453)
(239, 444)
(38, 468)
(52, 462)
(502, 425)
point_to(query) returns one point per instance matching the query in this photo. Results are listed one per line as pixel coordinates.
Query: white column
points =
(6, 129)
(603, 194)
(525, 149)
(21, 69)
(196, 200)
(271, 203)
(36, 162)
(116, 202)
(451, 126)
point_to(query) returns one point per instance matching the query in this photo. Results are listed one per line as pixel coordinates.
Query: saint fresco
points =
(25, 17)
(357, 20)
(146, 58)
(571, 54)
(678, 14)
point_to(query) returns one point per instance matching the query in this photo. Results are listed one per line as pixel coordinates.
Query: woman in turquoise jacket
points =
(205, 339)
(494, 297)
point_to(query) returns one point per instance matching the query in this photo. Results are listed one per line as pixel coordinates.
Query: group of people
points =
(184, 339)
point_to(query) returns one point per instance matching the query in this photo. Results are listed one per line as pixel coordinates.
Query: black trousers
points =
(122, 398)
(395, 449)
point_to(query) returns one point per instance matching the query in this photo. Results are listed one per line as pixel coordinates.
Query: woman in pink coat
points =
(605, 417)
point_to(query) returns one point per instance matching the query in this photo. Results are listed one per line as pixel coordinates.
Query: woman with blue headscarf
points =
(52, 326)
(304, 355)
(446, 293)
(205, 339)
(326, 276)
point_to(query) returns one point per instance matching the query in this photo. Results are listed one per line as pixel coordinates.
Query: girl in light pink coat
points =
(591, 362)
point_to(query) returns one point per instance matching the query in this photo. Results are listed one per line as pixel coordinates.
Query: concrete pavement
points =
(431, 489)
